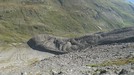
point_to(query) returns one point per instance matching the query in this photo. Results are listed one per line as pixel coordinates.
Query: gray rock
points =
(59, 45)
(123, 72)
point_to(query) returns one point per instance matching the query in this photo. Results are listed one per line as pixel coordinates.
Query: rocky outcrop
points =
(48, 43)
(59, 45)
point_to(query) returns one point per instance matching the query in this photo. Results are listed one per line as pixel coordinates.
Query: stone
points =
(123, 72)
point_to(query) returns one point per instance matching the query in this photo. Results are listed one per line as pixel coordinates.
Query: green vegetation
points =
(117, 62)
(21, 19)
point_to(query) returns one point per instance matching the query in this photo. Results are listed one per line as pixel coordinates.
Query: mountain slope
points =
(19, 19)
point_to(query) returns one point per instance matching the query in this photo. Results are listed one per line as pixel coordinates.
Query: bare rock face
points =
(59, 45)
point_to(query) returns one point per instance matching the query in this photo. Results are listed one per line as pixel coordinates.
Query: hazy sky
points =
(131, 1)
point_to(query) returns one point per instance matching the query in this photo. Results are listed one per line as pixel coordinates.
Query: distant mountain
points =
(21, 19)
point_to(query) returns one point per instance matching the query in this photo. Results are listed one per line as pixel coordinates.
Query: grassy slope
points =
(20, 19)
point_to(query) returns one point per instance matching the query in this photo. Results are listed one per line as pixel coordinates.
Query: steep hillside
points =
(19, 19)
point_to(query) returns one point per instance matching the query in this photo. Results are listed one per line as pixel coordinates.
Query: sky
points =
(131, 1)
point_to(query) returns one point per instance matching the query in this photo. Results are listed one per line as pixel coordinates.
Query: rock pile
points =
(59, 45)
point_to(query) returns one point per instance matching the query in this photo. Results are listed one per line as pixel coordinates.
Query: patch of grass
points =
(117, 62)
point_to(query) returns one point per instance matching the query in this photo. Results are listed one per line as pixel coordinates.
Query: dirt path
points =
(12, 58)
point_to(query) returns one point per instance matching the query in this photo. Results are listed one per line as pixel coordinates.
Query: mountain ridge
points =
(21, 19)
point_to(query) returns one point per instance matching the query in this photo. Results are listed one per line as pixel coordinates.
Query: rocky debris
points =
(123, 35)
(123, 71)
(58, 45)
(86, 55)
(98, 60)
(59, 73)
